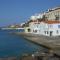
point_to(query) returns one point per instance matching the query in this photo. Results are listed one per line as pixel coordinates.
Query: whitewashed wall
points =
(42, 27)
(55, 28)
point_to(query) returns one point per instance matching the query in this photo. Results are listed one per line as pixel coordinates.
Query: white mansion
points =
(47, 23)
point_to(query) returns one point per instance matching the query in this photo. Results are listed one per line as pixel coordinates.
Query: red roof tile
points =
(52, 21)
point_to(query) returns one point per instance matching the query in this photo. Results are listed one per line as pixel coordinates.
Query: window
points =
(37, 26)
(58, 26)
(57, 17)
(35, 31)
(47, 32)
(57, 31)
(50, 26)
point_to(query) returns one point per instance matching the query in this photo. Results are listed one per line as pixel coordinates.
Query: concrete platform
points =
(52, 43)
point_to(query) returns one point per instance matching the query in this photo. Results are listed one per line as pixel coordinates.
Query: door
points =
(51, 33)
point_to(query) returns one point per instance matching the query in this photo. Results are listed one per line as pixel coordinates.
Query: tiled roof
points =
(52, 21)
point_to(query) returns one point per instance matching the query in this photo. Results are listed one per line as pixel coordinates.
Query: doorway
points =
(51, 33)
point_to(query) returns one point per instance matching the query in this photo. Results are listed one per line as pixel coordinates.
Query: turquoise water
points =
(14, 45)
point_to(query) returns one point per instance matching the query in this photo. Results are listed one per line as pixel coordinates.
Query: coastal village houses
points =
(47, 23)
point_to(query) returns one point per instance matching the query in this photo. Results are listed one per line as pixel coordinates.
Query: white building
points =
(35, 27)
(37, 16)
(53, 28)
(49, 27)
(53, 14)
(46, 28)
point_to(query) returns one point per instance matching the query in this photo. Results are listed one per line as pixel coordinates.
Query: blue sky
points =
(18, 11)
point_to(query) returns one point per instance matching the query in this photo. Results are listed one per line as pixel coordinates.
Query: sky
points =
(19, 11)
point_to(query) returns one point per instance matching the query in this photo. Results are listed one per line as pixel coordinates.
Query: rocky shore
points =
(8, 58)
(41, 56)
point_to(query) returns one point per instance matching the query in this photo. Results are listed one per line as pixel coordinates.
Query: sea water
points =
(14, 45)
